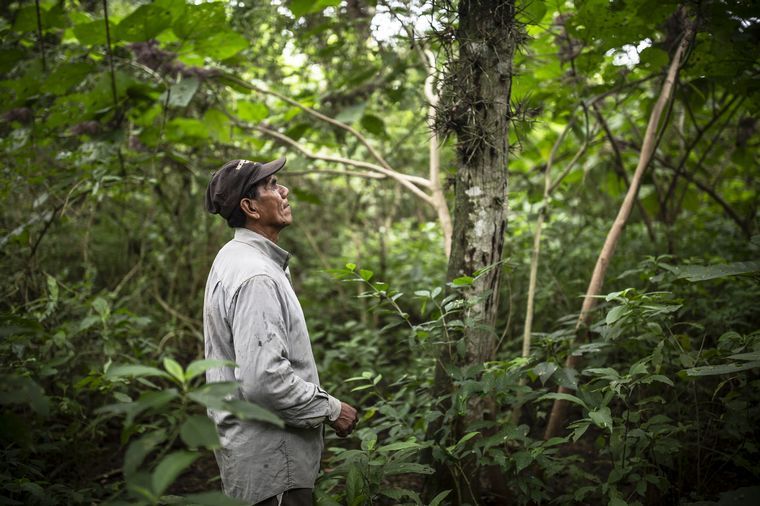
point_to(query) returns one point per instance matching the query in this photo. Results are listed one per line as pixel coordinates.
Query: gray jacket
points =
(251, 316)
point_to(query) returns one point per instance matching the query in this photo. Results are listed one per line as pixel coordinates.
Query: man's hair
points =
(237, 219)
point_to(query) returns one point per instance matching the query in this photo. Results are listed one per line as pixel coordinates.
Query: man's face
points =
(272, 204)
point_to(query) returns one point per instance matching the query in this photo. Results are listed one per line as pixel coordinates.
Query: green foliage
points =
(109, 137)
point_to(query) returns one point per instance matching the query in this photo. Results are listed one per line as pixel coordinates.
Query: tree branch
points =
(375, 154)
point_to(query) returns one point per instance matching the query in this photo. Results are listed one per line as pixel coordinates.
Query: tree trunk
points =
(559, 408)
(475, 106)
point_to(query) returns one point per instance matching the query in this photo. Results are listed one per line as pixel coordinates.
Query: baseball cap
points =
(233, 181)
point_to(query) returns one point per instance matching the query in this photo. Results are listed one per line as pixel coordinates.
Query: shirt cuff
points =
(335, 407)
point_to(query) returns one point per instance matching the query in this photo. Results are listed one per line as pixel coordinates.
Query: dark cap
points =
(233, 181)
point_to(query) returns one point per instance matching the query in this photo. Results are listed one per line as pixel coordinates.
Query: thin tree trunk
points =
(549, 188)
(559, 408)
(434, 146)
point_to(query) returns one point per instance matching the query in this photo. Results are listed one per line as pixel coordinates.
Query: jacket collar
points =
(263, 245)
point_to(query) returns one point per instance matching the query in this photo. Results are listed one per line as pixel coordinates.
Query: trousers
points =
(292, 497)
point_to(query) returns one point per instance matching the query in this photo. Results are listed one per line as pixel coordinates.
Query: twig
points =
(39, 35)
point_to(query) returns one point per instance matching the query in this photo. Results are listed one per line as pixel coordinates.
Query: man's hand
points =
(346, 421)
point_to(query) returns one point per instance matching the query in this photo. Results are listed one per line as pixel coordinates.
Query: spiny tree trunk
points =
(559, 408)
(475, 106)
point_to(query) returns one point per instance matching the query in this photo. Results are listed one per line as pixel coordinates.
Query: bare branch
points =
(403, 179)
(375, 154)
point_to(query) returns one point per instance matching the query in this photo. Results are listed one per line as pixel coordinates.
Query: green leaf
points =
(463, 281)
(602, 417)
(147, 400)
(140, 448)
(400, 445)
(530, 12)
(181, 93)
(660, 378)
(438, 499)
(201, 21)
(616, 501)
(173, 367)
(93, 33)
(522, 460)
(221, 45)
(567, 377)
(66, 76)
(212, 395)
(134, 371)
(461, 441)
(186, 130)
(354, 484)
(564, 397)
(200, 366)
(144, 23)
(730, 368)
(199, 430)
(544, 370)
(746, 356)
(704, 272)
(212, 499)
(252, 111)
(101, 306)
(373, 124)
(365, 274)
(170, 468)
(653, 58)
(615, 314)
(407, 467)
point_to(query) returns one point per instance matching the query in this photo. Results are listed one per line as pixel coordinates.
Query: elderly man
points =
(251, 316)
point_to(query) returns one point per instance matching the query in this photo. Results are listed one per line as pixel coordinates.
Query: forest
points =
(525, 241)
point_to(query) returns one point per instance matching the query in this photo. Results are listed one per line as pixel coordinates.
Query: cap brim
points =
(269, 168)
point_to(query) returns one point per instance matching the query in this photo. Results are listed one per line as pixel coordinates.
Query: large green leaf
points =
(212, 499)
(170, 468)
(146, 401)
(705, 272)
(67, 75)
(715, 370)
(530, 11)
(200, 366)
(140, 448)
(181, 93)
(563, 397)
(144, 23)
(212, 395)
(199, 431)
(221, 45)
(602, 417)
(173, 368)
(94, 32)
(134, 371)
(201, 21)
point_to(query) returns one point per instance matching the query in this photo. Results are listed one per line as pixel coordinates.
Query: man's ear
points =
(248, 206)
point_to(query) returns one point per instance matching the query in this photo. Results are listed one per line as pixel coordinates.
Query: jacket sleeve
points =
(261, 351)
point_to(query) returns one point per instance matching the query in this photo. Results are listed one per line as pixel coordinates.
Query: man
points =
(251, 316)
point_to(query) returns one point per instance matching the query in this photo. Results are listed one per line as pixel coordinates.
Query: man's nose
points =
(284, 191)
